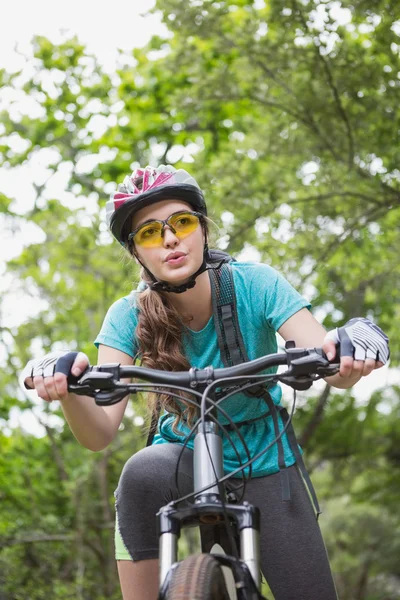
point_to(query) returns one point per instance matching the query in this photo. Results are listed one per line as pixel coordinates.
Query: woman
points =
(160, 216)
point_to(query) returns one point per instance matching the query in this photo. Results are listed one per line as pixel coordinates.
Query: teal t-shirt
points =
(264, 300)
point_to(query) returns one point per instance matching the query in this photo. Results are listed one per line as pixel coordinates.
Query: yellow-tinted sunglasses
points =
(151, 233)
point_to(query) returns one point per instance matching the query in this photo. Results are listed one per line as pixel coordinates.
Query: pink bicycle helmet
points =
(156, 184)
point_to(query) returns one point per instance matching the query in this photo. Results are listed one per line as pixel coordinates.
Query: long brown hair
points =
(159, 338)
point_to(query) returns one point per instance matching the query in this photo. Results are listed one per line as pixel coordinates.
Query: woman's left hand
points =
(363, 348)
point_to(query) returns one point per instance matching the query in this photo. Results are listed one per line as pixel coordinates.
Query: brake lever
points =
(297, 383)
(314, 363)
(103, 384)
(91, 382)
(99, 381)
(109, 398)
(105, 377)
(305, 366)
(330, 368)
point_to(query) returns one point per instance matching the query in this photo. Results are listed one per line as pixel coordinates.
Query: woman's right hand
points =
(48, 375)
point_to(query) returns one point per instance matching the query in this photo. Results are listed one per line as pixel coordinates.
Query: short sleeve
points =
(119, 327)
(282, 301)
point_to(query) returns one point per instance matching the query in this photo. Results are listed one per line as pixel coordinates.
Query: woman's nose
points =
(169, 237)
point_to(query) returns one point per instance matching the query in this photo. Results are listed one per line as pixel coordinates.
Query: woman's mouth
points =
(176, 259)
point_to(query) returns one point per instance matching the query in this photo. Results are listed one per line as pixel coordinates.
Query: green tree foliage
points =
(57, 498)
(298, 119)
(288, 116)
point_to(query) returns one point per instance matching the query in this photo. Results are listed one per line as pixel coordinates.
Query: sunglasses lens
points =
(149, 235)
(184, 224)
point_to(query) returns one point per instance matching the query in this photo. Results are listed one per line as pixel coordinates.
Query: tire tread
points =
(198, 577)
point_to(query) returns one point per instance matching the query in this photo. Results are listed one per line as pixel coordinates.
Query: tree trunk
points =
(55, 450)
(316, 419)
(361, 588)
(109, 566)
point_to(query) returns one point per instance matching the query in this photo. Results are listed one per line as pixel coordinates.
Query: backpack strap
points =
(226, 322)
(299, 459)
(233, 352)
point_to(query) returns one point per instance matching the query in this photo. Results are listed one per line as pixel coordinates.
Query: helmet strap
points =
(163, 286)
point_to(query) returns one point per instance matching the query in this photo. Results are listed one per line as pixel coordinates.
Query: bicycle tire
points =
(198, 577)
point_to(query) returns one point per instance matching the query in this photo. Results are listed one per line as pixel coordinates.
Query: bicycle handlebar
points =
(304, 365)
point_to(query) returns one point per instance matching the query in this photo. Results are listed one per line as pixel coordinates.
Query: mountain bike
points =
(201, 576)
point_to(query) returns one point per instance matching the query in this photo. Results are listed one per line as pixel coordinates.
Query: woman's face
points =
(176, 259)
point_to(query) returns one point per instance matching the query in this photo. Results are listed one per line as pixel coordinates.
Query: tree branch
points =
(34, 539)
(241, 231)
(316, 418)
(272, 75)
(330, 195)
(55, 450)
(339, 240)
(361, 584)
(334, 90)
(341, 111)
(305, 119)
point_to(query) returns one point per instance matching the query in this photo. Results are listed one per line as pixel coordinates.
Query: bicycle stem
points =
(208, 462)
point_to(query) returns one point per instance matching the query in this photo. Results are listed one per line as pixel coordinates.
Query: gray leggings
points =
(293, 555)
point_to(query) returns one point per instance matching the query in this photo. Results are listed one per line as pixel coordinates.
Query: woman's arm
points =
(95, 426)
(305, 330)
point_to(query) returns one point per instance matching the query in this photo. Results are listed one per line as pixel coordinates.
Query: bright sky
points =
(103, 28)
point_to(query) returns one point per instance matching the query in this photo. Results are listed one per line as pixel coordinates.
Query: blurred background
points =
(287, 113)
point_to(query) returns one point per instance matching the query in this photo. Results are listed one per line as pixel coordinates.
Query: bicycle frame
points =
(103, 383)
(209, 509)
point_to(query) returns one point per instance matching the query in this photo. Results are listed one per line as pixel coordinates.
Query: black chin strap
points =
(164, 286)
(179, 289)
